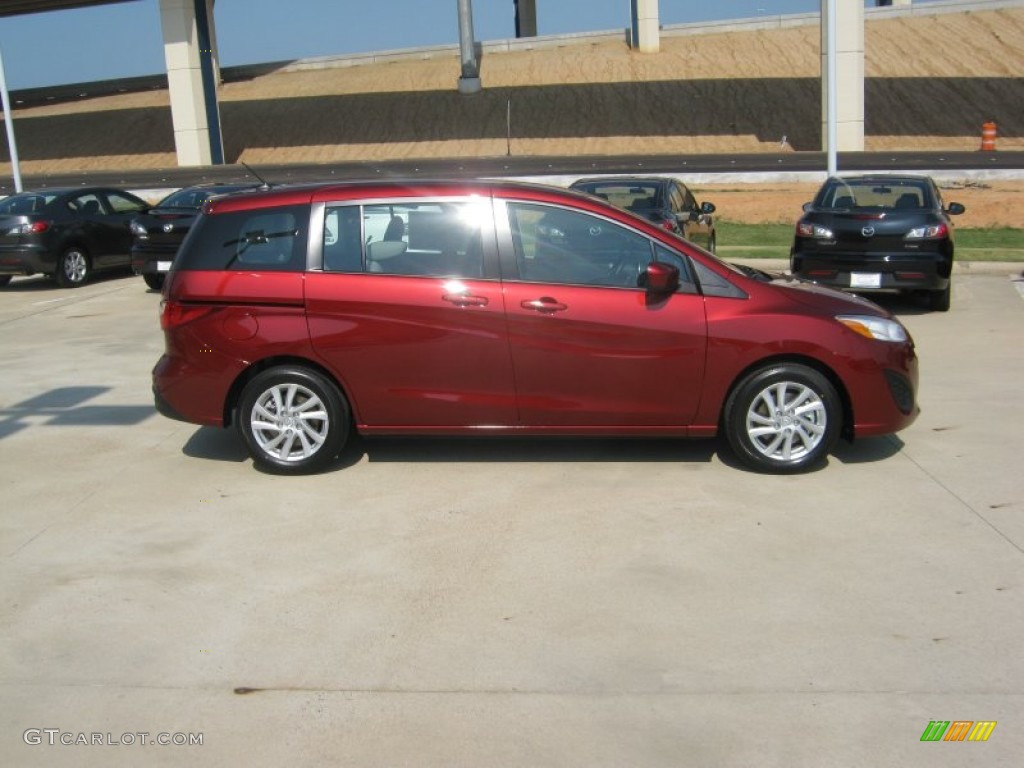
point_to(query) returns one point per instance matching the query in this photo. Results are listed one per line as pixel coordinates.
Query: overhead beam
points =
(22, 7)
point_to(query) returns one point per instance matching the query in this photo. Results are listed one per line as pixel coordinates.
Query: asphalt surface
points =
(754, 164)
(540, 603)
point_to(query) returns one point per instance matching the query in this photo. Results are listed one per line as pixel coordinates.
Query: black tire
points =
(73, 268)
(938, 301)
(4, 280)
(279, 438)
(783, 440)
(154, 280)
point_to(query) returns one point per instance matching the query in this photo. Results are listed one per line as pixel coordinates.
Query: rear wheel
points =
(72, 268)
(938, 301)
(293, 420)
(4, 280)
(783, 418)
(154, 280)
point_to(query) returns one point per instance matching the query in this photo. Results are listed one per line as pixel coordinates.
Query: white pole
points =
(9, 122)
(832, 67)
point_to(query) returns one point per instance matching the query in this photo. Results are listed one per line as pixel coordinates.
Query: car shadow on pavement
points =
(65, 406)
(866, 450)
(216, 445)
(901, 303)
(529, 449)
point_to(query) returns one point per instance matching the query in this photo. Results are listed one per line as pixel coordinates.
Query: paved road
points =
(442, 603)
(993, 163)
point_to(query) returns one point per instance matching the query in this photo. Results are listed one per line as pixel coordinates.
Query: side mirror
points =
(707, 207)
(661, 278)
(955, 209)
(808, 207)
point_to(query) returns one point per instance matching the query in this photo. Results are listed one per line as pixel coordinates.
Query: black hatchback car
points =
(869, 233)
(157, 233)
(66, 233)
(665, 201)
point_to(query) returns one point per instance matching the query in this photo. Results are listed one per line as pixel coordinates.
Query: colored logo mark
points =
(958, 730)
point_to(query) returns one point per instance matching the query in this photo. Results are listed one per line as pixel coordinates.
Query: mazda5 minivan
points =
(301, 315)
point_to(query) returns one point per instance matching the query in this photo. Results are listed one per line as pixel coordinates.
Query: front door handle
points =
(465, 300)
(544, 304)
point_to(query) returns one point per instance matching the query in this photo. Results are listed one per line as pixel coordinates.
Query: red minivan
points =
(500, 308)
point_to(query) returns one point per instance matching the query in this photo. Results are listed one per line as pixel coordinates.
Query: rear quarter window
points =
(267, 240)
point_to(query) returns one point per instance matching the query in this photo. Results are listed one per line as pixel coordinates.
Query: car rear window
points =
(877, 194)
(267, 240)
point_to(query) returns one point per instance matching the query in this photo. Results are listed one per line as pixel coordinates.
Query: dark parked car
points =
(469, 308)
(666, 202)
(868, 233)
(66, 233)
(158, 233)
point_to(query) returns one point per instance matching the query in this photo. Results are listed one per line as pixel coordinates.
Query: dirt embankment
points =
(989, 204)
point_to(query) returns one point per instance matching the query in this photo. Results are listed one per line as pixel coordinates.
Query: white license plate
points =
(865, 280)
(163, 266)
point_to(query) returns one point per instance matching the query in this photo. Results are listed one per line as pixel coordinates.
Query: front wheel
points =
(293, 420)
(154, 280)
(783, 418)
(72, 268)
(4, 280)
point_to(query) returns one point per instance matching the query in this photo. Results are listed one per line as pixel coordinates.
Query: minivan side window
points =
(270, 240)
(429, 239)
(556, 245)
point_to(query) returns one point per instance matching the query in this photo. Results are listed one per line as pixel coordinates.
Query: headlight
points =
(872, 327)
(809, 229)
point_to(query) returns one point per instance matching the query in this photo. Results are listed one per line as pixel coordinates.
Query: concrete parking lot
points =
(469, 603)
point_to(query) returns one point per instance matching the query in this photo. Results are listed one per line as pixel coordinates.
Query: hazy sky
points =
(124, 39)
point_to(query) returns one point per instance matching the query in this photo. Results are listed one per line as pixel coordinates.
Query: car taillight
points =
(32, 228)
(174, 314)
(810, 229)
(931, 232)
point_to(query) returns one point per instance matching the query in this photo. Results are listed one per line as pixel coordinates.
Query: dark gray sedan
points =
(879, 232)
(66, 233)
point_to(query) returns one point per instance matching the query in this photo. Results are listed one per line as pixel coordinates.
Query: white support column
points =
(849, 76)
(645, 35)
(185, 82)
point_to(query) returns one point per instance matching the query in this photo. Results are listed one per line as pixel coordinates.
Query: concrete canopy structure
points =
(190, 52)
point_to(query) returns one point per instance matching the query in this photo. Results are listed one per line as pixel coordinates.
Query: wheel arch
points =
(811, 362)
(239, 384)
